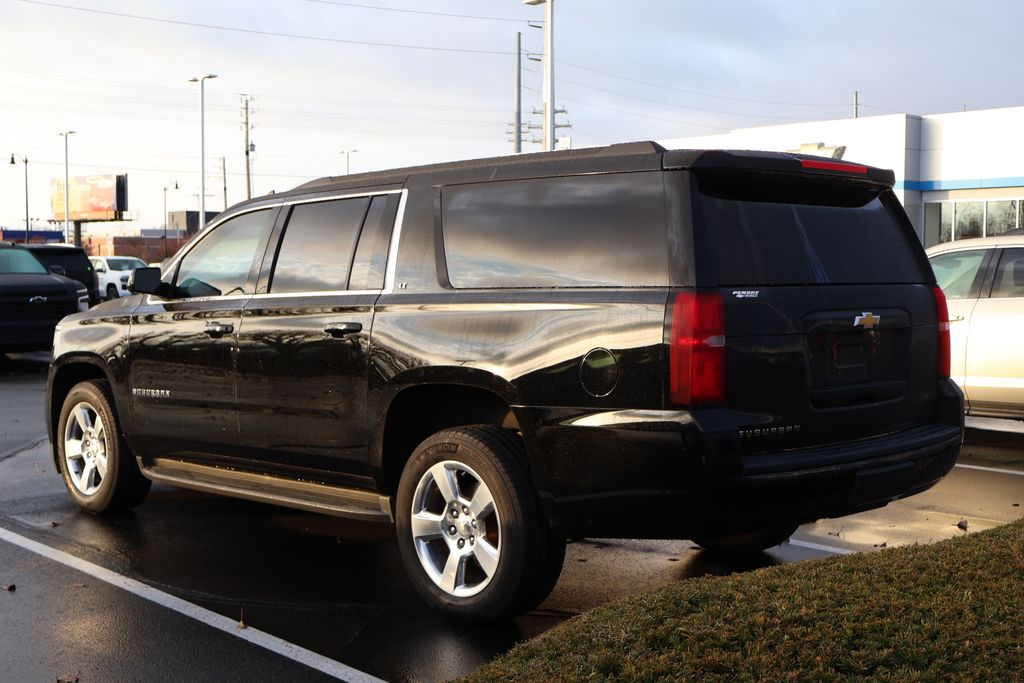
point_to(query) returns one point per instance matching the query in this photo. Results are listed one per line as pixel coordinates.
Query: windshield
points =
(18, 261)
(125, 263)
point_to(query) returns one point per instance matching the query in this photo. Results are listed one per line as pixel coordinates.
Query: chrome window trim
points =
(325, 292)
(396, 234)
(389, 272)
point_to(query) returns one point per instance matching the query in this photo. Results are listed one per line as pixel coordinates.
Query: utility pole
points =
(549, 71)
(856, 104)
(224, 178)
(246, 127)
(517, 123)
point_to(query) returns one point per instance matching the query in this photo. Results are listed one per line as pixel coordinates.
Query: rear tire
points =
(749, 542)
(112, 292)
(99, 471)
(470, 530)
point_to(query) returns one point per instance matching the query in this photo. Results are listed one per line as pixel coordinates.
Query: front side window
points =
(956, 271)
(317, 247)
(221, 264)
(1009, 280)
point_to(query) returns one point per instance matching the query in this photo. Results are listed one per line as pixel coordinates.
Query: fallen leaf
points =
(962, 525)
(9, 587)
(1016, 505)
(241, 619)
(78, 585)
(67, 679)
(54, 523)
(880, 545)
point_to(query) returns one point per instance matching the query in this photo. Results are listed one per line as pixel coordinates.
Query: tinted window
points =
(955, 272)
(125, 263)
(372, 253)
(71, 260)
(1009, 280)
(18, 261)
(221, 263)
(317, 247)
(583, 231)
(759, 230)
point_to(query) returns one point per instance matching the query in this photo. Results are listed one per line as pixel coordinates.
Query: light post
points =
(24, 160)
(201, 80)
(167, 187)
(67, 186)
(347, 152)
(549, 71)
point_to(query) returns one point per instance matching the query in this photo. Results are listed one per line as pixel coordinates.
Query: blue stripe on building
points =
(975, 184)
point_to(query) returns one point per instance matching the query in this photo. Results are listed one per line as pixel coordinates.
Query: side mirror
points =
(58, 270)
(146, 281)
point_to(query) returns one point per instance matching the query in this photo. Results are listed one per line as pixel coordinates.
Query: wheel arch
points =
(420, 409)
(64, 376)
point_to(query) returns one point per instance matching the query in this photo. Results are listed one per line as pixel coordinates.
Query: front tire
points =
(99, 471)
(112, 293)
(470, 530)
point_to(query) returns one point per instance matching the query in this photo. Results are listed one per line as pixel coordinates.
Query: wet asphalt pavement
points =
(330, 587)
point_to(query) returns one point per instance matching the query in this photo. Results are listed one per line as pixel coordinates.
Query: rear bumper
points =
(669, 479)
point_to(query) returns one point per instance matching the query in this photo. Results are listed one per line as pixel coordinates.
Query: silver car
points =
(983, 280)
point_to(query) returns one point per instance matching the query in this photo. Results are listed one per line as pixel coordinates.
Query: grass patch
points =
(953, 610)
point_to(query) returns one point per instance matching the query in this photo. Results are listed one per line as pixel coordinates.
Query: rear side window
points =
(1009, 280)
(957, 271)
(372, 252)
(761, 230)
(318, 245)
(580, 231)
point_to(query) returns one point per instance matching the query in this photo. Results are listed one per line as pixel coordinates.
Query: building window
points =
(969, 218)
(948, 221)
(1000, 217)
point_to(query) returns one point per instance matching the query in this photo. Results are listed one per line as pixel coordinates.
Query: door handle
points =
(339, 330)
(218, 329)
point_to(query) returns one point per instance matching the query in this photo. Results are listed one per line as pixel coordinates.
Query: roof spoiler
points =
(776, 162)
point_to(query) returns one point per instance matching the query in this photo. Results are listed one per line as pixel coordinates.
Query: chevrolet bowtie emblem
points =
(37, 300)
(867, 320)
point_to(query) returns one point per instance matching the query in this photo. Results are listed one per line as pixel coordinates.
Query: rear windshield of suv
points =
(71, 260)
(763, 230)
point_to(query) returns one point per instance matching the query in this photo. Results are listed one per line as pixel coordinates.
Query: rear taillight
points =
(942, 318)
(697, 349)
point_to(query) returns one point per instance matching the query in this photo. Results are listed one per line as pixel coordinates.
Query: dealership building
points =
(958, 175)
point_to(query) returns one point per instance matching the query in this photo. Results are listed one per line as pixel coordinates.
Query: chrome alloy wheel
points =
(455, 528)
(85, 448)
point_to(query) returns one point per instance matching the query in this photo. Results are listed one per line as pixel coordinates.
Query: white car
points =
(983, 280)
(112, 273)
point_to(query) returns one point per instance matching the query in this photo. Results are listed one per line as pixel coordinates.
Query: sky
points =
(408, 82)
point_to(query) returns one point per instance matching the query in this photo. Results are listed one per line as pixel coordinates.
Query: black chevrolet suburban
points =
(500, 354)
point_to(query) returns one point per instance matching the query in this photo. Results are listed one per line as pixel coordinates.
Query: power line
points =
(276, 34)
(662, 86)
(417, 11)
(677, 106)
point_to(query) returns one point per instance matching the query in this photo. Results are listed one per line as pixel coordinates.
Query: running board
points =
(262, 488)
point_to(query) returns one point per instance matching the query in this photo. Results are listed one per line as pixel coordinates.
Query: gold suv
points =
(983, 280)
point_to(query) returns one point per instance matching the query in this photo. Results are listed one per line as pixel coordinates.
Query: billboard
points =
(92, 197)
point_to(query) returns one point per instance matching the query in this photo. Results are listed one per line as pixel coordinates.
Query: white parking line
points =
(185, 608)
(997, 470)
(834, 550)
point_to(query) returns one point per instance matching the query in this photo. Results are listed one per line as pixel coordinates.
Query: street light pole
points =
(346, 152)
(24, 160)
(67, 187)
(167, 187)
(202, 145)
